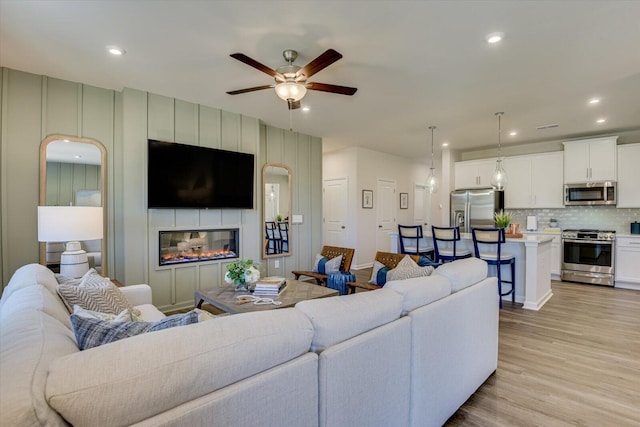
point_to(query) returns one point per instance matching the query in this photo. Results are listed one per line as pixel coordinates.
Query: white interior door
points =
(386, 213)
(335, 208)
(421, 206)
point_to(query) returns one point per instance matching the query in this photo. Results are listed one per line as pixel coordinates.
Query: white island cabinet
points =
(533, 265)
(627, 272)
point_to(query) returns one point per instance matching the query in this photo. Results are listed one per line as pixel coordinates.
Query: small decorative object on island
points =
(503, 219)
(242, 273)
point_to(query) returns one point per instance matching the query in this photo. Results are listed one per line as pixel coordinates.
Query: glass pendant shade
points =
(432, 181)
(499, 177)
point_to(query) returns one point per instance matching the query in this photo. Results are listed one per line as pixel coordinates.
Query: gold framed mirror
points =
(73, 173)
(276, 210)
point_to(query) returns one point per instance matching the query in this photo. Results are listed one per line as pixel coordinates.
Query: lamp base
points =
(74, 262)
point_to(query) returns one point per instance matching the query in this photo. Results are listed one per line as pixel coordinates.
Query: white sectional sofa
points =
(406, 355)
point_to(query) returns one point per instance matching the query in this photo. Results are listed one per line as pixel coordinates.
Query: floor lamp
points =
(70, 224)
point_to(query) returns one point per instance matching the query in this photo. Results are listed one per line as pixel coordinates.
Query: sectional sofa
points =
(406, 355)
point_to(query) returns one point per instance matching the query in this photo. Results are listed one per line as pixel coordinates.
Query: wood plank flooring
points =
(574, 362)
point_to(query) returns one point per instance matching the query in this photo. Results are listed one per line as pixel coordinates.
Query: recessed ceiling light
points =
(445, 144)
(115, 50)
(494, 37)
(306, 109)
(78, 156)
(601, 120)
(513, 133)
(594, 101)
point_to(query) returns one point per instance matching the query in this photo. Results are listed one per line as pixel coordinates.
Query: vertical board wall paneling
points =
(21, 136)
(2, 172)
(209, 130)
(62, 107)
(290, 154)
(315, 213)
(134, 191)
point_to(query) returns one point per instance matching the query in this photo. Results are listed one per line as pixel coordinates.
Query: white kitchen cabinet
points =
(627, 259)
(590, 160)
(628, 176)
(474, 173)
(534, 181)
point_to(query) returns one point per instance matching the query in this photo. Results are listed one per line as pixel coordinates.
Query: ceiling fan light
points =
(291, 90)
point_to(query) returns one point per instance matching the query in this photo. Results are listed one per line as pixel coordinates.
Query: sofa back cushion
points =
(35, 298)
(29, 341)
(420, 291)
(463, 272)
(152, 373)
(29, 275)
(337, 319)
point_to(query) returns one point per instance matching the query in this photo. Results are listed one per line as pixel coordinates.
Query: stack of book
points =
(270, 286)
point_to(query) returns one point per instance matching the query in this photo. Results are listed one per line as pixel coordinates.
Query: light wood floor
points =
(574, 362)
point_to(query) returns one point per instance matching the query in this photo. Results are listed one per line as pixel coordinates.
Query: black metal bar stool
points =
(409, 238)
(444, 244)
(492, 240)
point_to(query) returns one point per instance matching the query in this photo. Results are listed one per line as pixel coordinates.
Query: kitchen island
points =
(533, 265)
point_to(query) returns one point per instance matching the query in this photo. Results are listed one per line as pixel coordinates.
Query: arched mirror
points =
(276, 210)
(73, 173)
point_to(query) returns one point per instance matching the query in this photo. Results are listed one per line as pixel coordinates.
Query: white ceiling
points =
(415, 63)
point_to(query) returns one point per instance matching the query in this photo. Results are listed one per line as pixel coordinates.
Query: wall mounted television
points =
(183, 176)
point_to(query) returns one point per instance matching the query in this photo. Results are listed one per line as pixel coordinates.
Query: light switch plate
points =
(296, 219)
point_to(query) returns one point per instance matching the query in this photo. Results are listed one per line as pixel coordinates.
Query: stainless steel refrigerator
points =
(475, 208)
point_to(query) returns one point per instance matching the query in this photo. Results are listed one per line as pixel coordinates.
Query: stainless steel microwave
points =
(590, 193)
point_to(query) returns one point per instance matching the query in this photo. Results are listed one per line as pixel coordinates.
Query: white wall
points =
(363, 167)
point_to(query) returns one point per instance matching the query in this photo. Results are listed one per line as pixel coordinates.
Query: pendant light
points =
(499, 177)
(432, 181)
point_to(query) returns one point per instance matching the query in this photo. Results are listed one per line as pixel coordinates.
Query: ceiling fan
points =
(291, 82)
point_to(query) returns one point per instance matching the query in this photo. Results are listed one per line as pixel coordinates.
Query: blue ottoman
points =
(338, 281)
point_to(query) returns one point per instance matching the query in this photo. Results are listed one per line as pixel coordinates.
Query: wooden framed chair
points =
(389, 260)
(491, 240)
(444, 244)
(409, 237)
(329, 252)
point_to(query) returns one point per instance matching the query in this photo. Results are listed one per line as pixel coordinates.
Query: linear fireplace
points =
(188, 246)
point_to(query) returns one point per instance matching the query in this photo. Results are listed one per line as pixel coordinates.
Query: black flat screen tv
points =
(192, 177)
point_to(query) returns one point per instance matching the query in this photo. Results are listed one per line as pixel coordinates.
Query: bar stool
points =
(447, 237)
(273, 238)
(492, 239)
(409, 238)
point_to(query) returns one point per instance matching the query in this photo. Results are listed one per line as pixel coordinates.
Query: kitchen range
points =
(588, 256)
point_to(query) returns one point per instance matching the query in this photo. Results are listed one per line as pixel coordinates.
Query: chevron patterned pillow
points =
(407, 269)
(95, 293)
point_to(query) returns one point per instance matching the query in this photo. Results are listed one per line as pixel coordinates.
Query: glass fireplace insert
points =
(188, 246)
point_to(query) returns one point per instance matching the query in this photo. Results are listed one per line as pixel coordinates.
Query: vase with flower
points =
(242, 273)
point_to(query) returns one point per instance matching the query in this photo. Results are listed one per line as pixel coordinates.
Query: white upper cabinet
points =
(474, 173)
(629, 176)
(534, 181)
(590, 160)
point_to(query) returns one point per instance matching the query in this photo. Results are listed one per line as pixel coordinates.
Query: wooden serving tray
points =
(513, 236)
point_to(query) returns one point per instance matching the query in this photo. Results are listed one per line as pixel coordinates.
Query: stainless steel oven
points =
(588, 256)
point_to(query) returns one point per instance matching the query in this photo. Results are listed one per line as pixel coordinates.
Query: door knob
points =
(379, 226)
(343, 227)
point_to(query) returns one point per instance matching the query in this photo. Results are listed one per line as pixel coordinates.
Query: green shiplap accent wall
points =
(35, 106)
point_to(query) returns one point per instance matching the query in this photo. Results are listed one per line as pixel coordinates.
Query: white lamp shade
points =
(69, 223)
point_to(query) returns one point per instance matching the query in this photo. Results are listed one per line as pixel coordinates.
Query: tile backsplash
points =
(596, 217)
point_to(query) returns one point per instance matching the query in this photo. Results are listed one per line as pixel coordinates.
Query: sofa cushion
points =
(463, 272)
(339, 318)
(407, 268)
(167, 368)
(125, 316)
(93, 332)
(29, 275)
(327, 266)
(30, 340)
(95, 293)
(419, 291)
(35, 298)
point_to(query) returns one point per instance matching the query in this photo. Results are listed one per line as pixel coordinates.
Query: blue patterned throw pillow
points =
(92, 332)
(425, 261)
(324, 265)
(379, 274)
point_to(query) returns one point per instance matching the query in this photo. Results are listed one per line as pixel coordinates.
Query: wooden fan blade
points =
(293, 105)
(250, 89)
(323, 87)
(255, 64)
(321, 62)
